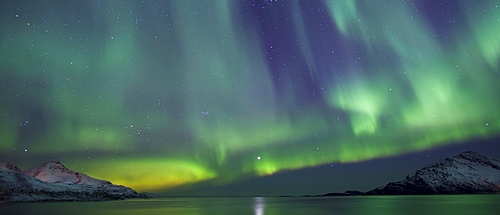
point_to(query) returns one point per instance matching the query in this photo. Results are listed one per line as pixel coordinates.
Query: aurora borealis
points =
(159, 94)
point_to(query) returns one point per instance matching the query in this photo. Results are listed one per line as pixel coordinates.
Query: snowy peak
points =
(9, 167)
(478, 159)
(56, 172)
(466, 173)
(45, 170)
(471, 156)
(468, 160)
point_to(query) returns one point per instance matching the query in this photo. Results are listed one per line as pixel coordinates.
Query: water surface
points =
(442, 204)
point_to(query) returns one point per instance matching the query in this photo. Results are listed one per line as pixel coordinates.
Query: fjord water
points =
(439, 204)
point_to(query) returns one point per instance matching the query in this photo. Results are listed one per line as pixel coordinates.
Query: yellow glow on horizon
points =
(148, 175)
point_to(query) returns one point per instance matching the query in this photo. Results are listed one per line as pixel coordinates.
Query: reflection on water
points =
(259, 205)
(386, 205)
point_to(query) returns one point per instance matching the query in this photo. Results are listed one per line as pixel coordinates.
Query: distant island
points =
(52, 181)
(466, 173)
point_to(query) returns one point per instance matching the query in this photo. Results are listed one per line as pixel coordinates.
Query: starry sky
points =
(248, 97)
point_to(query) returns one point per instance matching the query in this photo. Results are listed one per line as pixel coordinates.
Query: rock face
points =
(467, 173)
(9, 167)
(52, 181)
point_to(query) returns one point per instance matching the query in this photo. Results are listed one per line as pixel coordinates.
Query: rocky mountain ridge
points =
(52, 181)
(466, 173)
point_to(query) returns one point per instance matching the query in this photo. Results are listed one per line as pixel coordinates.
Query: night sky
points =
(248, 97)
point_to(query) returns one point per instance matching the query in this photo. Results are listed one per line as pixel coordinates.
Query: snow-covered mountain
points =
(9, 167)
(55, 172)
(52, 181)
(467, 173)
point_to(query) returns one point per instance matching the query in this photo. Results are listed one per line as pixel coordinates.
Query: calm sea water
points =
(387, 205)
